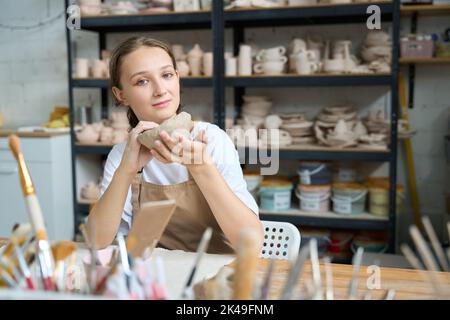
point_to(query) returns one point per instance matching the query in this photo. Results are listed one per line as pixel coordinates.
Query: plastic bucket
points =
(323, 241)
(345, 173)
(314, 198)
(349, 198)
(340, 244)
(253, 181)
(275, 195)
(370, 241)
(314, 173)
(379, 196)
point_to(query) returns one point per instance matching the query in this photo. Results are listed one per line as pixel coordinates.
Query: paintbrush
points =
(246, 265)
(124, 258)
(22, 263)
(204, 242)
(61, 250)
(92, 270)
(435, 243)
(159, 287)
(34, 213)
(353, 286)
(7, 278)
(328, 278)
(318, 295)
(266, 283)
(294, 273)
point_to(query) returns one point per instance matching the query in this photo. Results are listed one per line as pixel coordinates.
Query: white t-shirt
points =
(221, 150)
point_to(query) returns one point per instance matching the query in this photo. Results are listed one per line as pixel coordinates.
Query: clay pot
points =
(88, 134)
(119, 136)
(90, 191)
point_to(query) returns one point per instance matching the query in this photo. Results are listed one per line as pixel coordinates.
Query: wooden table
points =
(407, 283)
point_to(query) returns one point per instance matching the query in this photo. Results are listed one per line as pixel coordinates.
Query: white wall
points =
(33, 78)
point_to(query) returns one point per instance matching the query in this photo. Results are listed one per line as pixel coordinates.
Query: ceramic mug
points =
(81, 68)
(306, 67)
(208, 64)
(231, 66)
(334, 65)
(98, 68)
(271, 53)
(272, 67)
(245, 60)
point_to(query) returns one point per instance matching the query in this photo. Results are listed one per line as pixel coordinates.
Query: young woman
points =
(211, 193)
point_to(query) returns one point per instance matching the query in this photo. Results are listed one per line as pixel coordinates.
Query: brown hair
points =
(115, 64)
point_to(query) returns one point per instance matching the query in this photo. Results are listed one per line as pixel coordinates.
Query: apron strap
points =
(136, 192)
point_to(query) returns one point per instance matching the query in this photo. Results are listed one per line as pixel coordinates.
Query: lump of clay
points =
(181, 124)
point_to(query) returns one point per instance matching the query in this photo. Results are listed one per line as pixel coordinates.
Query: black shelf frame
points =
(318, 14)
(238, 20)
(318, 222)
(154, 22)
(304, 81)
(381, 156)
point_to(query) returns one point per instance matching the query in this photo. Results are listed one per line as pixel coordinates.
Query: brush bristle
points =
(14, 145)
(62, 249)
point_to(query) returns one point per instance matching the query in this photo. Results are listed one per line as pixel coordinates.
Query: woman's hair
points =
(115, 65)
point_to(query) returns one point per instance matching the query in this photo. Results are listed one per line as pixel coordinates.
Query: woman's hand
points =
(179, 149)
(136, 155)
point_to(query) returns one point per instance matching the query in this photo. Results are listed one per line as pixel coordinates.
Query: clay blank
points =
(181, 123)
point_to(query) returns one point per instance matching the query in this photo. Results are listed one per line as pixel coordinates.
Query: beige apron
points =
(190, 219)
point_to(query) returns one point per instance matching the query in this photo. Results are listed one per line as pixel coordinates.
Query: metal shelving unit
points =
(238, 20)
(413, 11)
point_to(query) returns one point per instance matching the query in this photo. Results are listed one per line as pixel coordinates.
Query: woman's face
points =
(150, 84)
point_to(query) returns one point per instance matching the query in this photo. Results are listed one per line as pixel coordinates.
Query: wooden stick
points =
(411, 257)
(266, 283)
(329, 279)
(353, 286)
(294, 273)
(318, 295)
(424, 251)
(435, 243)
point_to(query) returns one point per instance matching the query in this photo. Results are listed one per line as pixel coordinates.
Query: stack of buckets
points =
(349, 198)
(379, 196)
(314, 188)
(275, 195)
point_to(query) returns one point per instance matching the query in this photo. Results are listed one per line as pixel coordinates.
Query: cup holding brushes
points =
(61, 250)
(44, 253)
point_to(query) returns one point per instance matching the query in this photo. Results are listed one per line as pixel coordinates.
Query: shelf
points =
(146, 22)
(98, 148)
(436, 60)
(426, 9)
(316, 14)
(327, 220)
(104, 83)
(312, 80)
(83, 208)
(321, 153)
